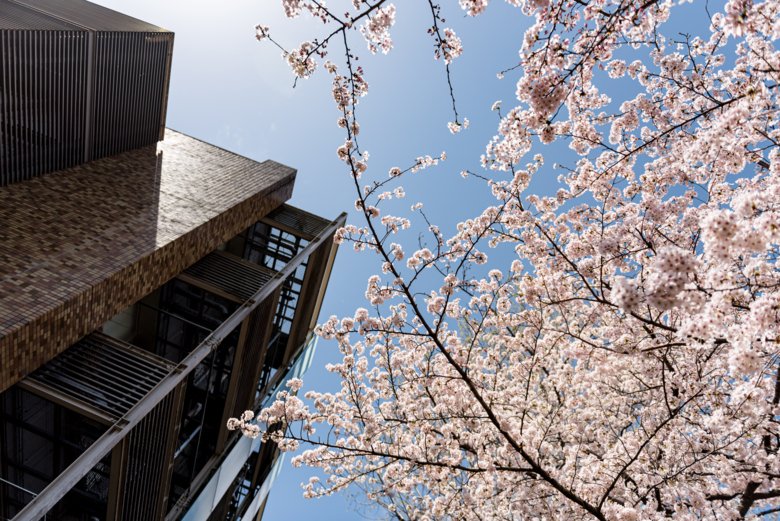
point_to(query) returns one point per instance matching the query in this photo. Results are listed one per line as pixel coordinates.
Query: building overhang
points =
(79, 245)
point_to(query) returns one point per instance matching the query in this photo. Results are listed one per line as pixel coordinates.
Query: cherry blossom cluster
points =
(245, 425)
(455, 126)
(609, 350)
(300, 60)
(376, 29)
(262, 32)
(450, 46)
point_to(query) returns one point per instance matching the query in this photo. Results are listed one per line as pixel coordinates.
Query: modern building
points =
(151, 285)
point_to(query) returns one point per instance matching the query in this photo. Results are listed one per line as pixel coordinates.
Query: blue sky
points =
(232, 91)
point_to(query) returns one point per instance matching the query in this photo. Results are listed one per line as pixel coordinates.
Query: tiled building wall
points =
(78, 246)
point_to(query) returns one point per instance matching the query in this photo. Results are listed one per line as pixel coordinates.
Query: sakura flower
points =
(261, 32)
(376, 30)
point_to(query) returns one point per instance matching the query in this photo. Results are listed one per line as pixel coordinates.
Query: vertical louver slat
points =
(149, 452)
(14, 89)
(137, 70)
(122, 80)
(51, 93)
(103, 109)
(115, 62)
(129, 73)
(158, 75)
(148, 133)
(149, 75)
(72, 90)
(78, 106)
(3, 106)
(260, 326)
(19, 116)
(98, 135)
(8, 79)
(37, 95)
(29, 102)
(23, 97)
(58, 108)
(15, 101)
(3, 103)
(67, 108)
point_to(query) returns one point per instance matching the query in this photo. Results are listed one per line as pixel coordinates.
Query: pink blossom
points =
(605, 348)
(261, 32)
(473, 7)
(455, 127)
(300, 60)
(450, 46)
(376, 30)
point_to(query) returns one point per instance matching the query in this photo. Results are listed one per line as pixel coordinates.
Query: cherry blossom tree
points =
(624, 364)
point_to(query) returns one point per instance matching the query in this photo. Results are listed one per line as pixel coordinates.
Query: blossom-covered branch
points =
(624, 364)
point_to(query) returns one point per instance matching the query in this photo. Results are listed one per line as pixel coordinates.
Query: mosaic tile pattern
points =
(79, 245)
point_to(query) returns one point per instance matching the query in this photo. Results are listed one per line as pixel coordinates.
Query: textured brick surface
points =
(78, 246)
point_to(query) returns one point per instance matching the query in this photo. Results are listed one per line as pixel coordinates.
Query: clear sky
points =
(232, 91)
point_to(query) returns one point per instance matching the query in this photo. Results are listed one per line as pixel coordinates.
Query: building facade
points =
(151, 285)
